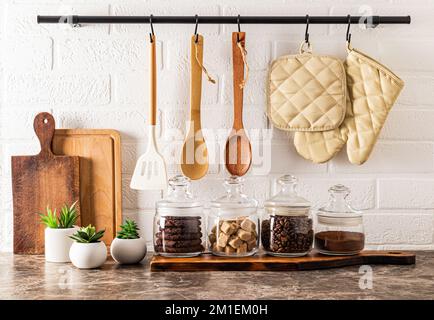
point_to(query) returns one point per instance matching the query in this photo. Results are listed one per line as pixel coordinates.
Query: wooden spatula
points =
(40, 181)
(238, 151)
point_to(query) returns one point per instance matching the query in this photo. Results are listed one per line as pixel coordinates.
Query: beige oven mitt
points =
(372, 91)
(306, 92)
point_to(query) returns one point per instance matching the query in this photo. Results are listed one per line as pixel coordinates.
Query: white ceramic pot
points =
(88, 255)
(128, 251)
(58, 243)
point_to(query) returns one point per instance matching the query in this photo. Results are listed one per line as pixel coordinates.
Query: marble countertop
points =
(30, 277)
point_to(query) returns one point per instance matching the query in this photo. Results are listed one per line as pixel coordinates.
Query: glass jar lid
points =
(287, 201)
(338, 210)
(179, 197)
(234, 197)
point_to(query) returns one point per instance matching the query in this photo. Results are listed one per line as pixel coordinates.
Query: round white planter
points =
(88, 255)
(58, 243)
(128, 251)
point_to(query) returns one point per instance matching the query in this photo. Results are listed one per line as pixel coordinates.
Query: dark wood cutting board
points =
(38, 181)
(261, 262)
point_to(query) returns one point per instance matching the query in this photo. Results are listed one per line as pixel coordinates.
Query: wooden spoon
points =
(238, 151)
(194, 163)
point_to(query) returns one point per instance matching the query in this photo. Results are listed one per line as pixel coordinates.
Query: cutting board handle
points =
(44, 126)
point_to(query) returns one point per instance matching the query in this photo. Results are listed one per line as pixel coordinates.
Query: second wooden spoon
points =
(238, 151)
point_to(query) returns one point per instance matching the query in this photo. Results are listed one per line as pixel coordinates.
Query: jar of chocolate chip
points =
(286, 228)
(339, 229)
(233, 222)
(179, 222)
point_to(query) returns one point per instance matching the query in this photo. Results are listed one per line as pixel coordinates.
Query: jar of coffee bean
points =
(287, 228)
(179, 222)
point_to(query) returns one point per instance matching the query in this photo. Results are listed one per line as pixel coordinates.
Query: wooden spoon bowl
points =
(238, 153)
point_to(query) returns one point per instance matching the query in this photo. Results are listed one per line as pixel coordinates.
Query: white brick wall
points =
(96, 76)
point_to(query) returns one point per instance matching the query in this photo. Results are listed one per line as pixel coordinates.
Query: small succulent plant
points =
(88, 235)
(129, 230)
(67, 218)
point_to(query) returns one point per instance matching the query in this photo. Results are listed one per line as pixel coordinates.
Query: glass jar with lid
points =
(339, 230)
(233, 222)
(179, 222)
(287, 228)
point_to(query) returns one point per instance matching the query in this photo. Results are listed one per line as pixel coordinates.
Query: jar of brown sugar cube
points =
(233, 222)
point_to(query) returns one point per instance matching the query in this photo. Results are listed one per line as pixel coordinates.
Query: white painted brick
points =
(131, 124)
(218, 57)
(158, 8)
(21, 19)
(409, 57)
(404, 247)
(390, 157)
(58, 89)
(132, 199)
(413, 228)
(96, 77)
(316, 190)
(421, 23)
(418, 91)
(104, 53)
(265, 9)
(399, 123)
(28, 54)
(6, 236)
(406, 193)
(254, 91)
(172, 89)
(283, 158)
(17, 149)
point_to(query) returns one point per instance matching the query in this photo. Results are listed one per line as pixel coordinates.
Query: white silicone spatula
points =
(150, 172)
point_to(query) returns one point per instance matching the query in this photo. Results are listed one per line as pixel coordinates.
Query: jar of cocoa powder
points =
(233, 223)
(286, 229)
(339, 229)
(179, 226)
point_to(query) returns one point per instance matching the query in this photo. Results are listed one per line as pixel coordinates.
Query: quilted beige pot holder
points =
(306, 92)
(372, 91)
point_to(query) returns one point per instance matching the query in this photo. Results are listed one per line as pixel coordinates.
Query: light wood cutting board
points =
(100, 175)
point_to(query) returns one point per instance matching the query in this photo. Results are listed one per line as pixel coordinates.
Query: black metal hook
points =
(239, 28)
(152, 34)
(348, 35)
(306, 33)
(195, 29)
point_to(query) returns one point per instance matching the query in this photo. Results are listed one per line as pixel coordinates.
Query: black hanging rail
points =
(371, 21)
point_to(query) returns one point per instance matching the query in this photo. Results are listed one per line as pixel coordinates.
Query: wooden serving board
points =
(40, 181)
(100, 175)
(314, 260)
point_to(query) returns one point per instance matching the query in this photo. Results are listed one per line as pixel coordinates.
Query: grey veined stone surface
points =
(30, 277)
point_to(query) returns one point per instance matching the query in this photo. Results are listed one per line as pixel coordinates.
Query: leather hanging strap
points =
(198, 43)
(238, 56)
